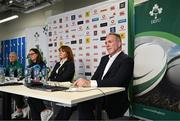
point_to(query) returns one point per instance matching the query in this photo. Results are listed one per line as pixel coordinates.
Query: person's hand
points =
(82, 83)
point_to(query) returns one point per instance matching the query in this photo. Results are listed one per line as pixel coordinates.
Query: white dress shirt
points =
(108, 65)
(61, 63)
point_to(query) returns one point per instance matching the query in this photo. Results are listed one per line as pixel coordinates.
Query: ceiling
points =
(23, 6)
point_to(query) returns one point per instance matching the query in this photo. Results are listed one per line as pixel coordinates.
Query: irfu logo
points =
(156, 10)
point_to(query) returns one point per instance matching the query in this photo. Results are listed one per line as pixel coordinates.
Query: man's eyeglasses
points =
(30, 54)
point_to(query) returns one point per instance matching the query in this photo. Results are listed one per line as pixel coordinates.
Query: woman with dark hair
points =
(37, 107)
(63, 71)
(35, 57)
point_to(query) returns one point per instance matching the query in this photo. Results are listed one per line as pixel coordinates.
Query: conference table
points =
(66, 97)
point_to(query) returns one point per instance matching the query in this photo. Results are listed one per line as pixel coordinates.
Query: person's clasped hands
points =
(82, 83)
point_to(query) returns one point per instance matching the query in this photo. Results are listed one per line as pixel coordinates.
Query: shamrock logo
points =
(155, 11)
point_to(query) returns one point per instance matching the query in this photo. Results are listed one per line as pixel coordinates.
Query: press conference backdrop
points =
(84, 30)
(157, 60)
(37, 38)
(12, 45)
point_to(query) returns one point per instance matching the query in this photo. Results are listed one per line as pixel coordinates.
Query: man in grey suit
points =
(114, 70)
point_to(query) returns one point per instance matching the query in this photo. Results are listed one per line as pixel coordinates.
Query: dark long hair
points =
(67, 49)
(39, 58)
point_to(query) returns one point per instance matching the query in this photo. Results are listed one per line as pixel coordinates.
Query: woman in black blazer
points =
(63, 71)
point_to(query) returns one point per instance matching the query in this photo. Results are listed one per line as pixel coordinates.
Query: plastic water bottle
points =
(2, 75)
(36, 71)
(11, 74)
(27, 75)
(44, 75)
(19, 72)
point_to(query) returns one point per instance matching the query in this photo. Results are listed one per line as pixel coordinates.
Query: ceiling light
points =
(10, 2)
(9, 18)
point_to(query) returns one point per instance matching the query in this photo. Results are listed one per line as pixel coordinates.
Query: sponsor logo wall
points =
(84, 30)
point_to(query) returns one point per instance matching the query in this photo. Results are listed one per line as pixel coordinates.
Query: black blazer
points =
(65, 73)
(119, 75)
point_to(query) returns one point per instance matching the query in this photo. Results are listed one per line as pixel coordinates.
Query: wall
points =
(16, 27)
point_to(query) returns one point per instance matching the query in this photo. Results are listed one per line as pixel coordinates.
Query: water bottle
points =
(27, 75)
(19, 72)
(44, 75)
(36, 72)
(11, 73)
(2, 75)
